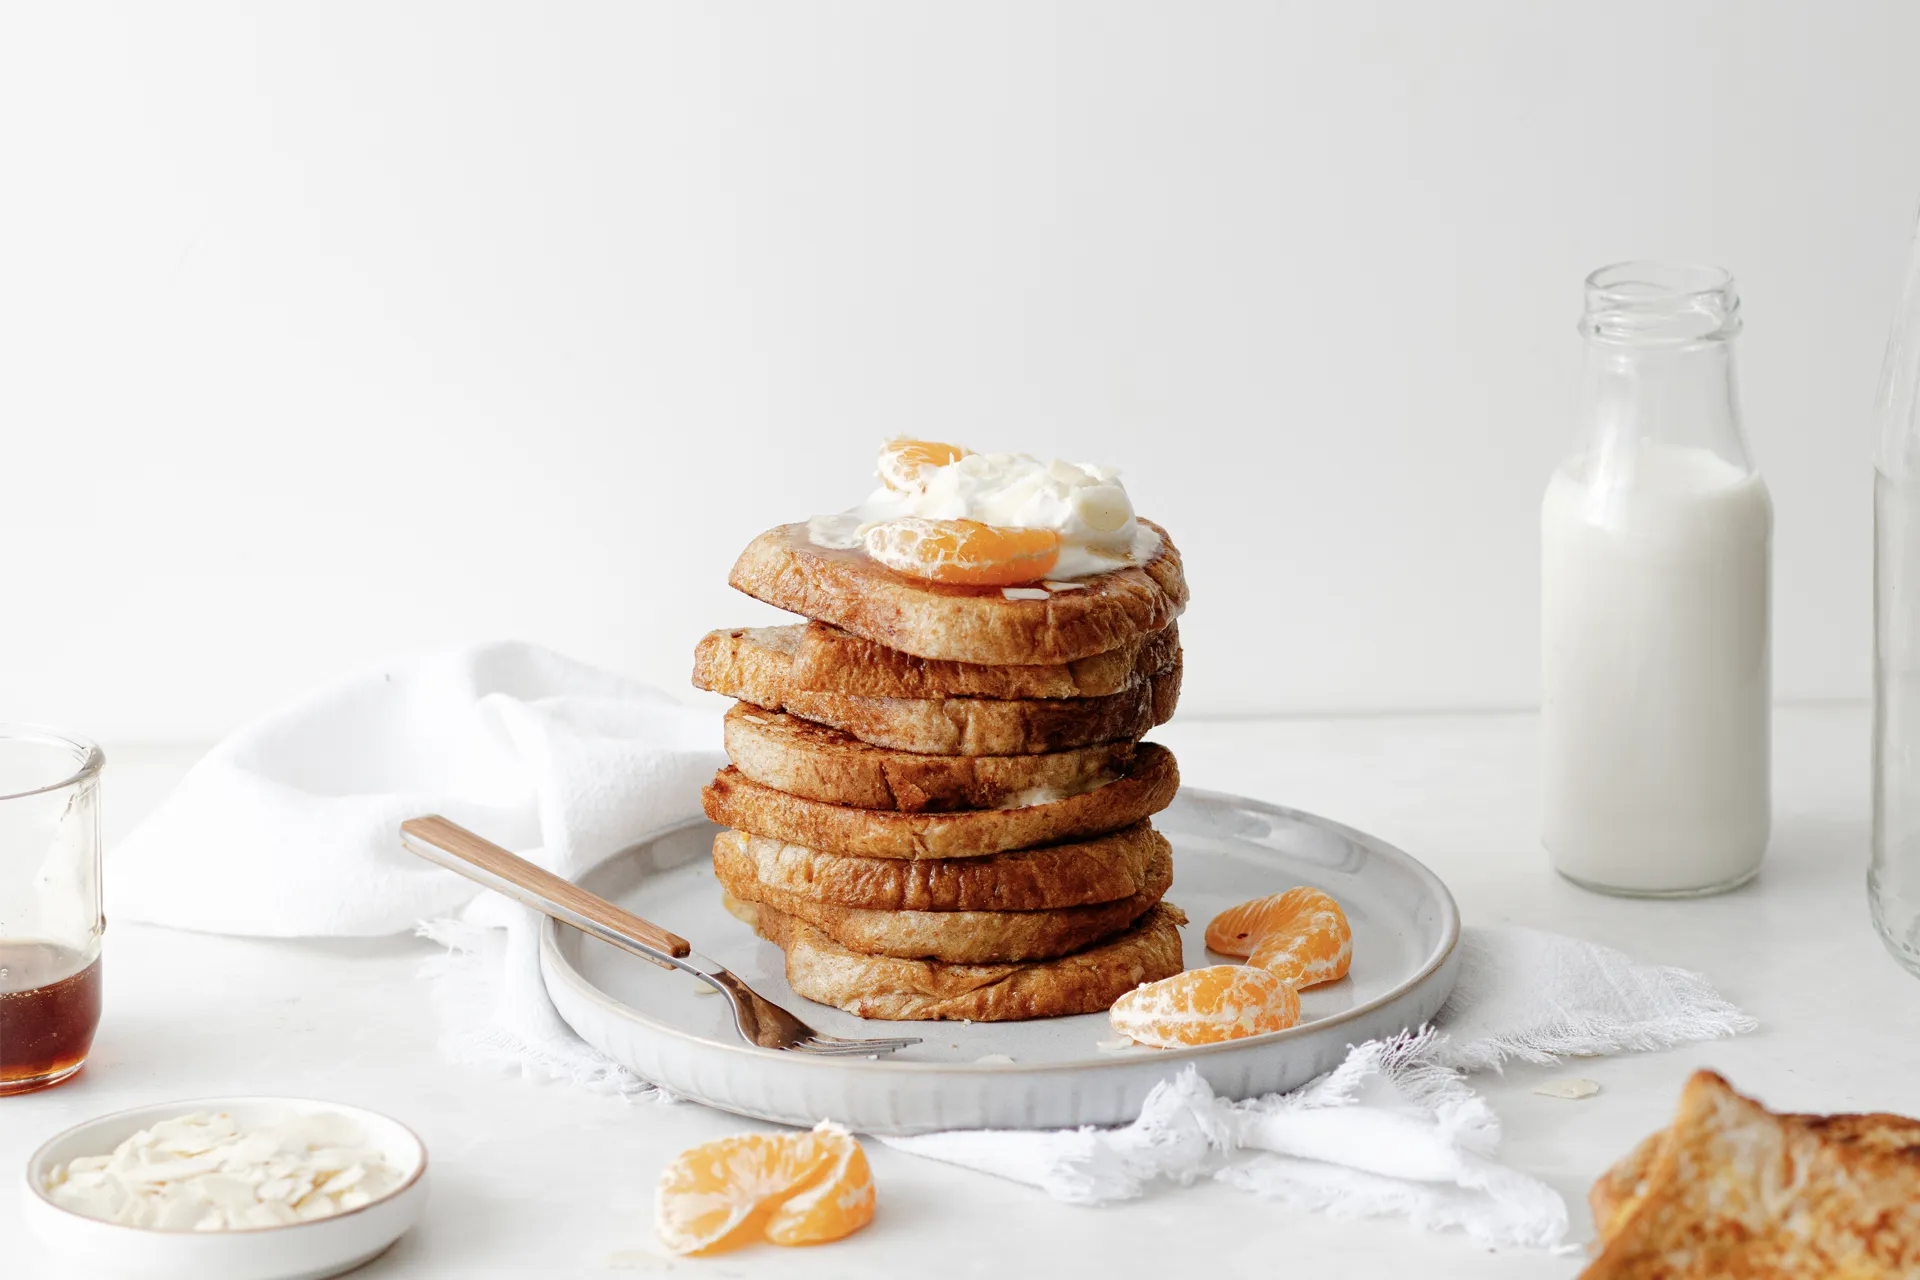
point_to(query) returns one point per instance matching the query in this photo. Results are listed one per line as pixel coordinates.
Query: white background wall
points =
(330, 330)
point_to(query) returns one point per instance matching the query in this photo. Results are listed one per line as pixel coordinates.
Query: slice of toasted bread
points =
(1147, 787)
(818, 658)
(1734, 1190)
(820, 969)
(828, 660)
(961, 623)
(1103, 869)
(954, 726)
(957, 937)
(818, 762)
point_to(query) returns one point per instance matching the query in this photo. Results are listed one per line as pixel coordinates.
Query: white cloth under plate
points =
(289, 827)
(1396, 1129)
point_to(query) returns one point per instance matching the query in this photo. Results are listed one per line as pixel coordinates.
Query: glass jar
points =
(50, 910)
(1656, 549)
(1893, 872)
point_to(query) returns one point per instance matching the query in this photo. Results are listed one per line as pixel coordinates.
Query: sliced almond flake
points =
(1023, 593)
(1570, 1087)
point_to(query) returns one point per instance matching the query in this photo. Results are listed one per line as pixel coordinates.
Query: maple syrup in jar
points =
(50, 918)
(49, 1009)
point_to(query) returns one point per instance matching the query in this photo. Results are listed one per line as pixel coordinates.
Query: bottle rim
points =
(1665, 304)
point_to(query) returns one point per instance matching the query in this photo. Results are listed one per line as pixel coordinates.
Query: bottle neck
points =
(1679, 397)
(1659, 368)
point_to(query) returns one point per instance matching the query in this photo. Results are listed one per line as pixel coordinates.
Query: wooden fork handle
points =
(456, 848)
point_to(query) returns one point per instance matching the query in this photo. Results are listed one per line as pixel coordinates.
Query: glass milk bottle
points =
(1656, 548)
(1893, 876)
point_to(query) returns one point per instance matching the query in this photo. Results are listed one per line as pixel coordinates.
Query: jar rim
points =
(1660, 304)
(90, 757)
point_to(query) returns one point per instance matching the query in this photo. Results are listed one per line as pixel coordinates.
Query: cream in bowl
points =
(227, 1189)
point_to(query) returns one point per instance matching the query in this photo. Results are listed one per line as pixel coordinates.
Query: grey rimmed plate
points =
(1226, 849)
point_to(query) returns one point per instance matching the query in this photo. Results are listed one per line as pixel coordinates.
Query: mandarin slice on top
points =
(1206, 1006)
(904, 464)
(964, 551)
(1302, 935)
(791, 1188)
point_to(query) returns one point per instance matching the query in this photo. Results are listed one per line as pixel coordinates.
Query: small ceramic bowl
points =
(297, 1251)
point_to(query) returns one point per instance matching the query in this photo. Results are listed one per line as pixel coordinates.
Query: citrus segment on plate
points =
(964, 551)
(904, 464)
(1301, 935)
(1206, 1006)
(790, 1188)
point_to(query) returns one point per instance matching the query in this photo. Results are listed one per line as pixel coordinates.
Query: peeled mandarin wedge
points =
(837, 1203)
(964, 551)
(1301, 935)
(1206, 1006)
(791, 1188)
(904, 464)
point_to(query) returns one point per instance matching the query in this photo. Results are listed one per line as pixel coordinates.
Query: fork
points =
(759, 1020)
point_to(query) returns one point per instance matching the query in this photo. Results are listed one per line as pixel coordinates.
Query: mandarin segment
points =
(1206, 1006)
(837, 1203)
(794, 1188)
(904, 464)
(1301, 935)
(964, 551)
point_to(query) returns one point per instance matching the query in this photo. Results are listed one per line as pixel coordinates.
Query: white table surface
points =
(542, 1180)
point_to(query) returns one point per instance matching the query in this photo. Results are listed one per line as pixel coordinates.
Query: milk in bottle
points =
(1655, 571)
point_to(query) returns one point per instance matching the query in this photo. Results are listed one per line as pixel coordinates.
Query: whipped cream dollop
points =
(1086, 505)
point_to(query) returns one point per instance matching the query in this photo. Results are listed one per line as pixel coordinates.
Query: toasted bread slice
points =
(828, 660)
(958, 726)
(1734, 1190)
(961, 623)
(820, 969)
(812, 760)
(957, 937)
(821, 659)
(1147, 787)
(1103, 869)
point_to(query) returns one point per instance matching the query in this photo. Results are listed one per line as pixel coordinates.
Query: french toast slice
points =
(1147, 786)
(967, 726)
(1103, 869)
(1733, 1190)
(822, 659)
(955, 623)
(819, 762)
(820, 969)
(957, 937)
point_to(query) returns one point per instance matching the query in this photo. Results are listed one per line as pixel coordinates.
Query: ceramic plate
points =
(667, 1027)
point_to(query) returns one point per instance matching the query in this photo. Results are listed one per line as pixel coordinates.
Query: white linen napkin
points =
(1396, 1129)
(290, 828)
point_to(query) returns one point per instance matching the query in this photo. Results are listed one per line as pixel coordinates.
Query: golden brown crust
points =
(734, 800)
(819, 762)
(828, 660)
(957, 937)
(1103, 869)
(955, 623)
(1732, 1190)
(991, 727)
(741, 666)
(820, 969)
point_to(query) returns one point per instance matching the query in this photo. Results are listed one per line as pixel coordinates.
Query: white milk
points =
(1654, 665)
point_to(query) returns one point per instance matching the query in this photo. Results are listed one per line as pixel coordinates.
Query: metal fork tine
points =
(849, 1048)
(835, 1042)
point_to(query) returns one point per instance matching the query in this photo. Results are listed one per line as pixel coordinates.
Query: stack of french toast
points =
(938, 803)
